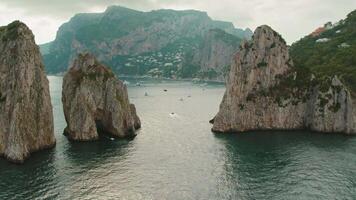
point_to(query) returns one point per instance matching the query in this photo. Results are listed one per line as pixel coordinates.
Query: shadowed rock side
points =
(265, 92)
(94, 100)
(26, 118)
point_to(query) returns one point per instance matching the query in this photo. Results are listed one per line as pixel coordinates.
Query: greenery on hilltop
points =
(337, 56)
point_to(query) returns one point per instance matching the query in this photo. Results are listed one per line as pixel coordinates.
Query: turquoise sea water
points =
(176, 156)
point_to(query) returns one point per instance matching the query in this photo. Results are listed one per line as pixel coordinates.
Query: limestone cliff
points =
(265, 91)
(95, 101)
(26, 119)
(215, 54)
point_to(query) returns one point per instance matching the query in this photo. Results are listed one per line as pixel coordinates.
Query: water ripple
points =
(179, 158)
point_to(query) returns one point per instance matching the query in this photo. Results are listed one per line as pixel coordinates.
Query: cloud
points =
(66, 8)
(293, 19)
(43, 27)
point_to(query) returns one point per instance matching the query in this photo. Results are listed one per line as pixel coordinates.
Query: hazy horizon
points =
(292, 19)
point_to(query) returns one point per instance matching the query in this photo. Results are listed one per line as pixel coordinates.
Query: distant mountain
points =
(330, 50)
(213, 58)
(165, 43)
(44, 48)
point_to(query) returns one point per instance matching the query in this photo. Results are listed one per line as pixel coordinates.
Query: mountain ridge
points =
(120, 34)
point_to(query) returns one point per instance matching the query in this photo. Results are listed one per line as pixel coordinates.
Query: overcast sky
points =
(292, 18)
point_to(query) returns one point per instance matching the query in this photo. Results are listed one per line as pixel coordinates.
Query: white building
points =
(322, 40)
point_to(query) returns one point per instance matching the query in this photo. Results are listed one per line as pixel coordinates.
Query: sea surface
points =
(176, 156)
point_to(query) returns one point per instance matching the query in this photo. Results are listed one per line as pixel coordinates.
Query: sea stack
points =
(265, 91)
(96, 102)
(26, 118)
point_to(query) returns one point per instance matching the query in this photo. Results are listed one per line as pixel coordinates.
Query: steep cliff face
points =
(26, 119)
(134, 42)
(215, 55)
(266, 91)
(95, 101)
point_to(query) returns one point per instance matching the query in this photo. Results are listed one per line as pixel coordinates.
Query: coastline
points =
(194, 80)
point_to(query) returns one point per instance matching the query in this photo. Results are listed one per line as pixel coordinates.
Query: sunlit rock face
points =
(265, 91)
(95, 101)
(26, 118)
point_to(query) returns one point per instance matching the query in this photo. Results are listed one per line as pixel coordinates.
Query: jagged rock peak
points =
(15, 31)
(261, 60)
(26, 118)
(265, 36)
(95, 102)
(87, 63)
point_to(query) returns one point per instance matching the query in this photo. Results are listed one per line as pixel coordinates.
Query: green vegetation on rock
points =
(262, 64)
(333, 52)
(2, 98)
(10, 32)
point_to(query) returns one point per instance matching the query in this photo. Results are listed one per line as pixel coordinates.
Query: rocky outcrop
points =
(265, 91)
(26, 119)
(95, 102)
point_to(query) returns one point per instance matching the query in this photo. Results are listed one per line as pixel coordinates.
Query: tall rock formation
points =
(26, 118)
(265, 91)
(95, 101)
